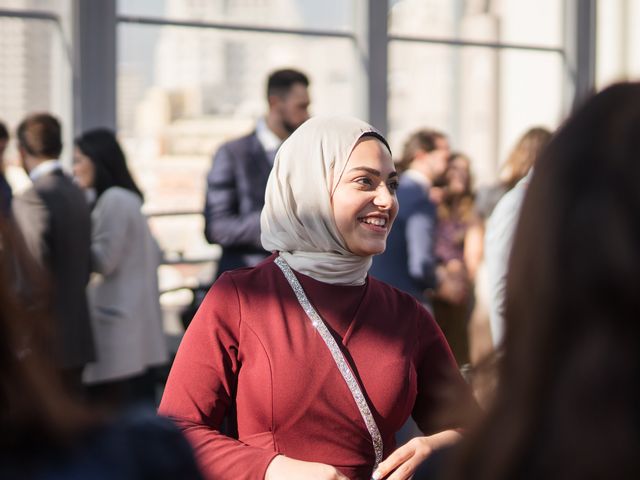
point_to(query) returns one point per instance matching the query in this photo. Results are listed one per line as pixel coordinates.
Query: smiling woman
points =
(320, 363)
(364, 201)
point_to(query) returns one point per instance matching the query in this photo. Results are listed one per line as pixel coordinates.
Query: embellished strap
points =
(338, 357)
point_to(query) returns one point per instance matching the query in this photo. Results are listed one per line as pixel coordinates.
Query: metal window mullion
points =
(378, 64)
(569, 67)
(471, 43)
(44, 16)
(163, 22)
(585, 49)
(95, 64)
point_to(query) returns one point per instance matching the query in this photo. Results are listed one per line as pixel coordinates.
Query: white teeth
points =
(380, 222)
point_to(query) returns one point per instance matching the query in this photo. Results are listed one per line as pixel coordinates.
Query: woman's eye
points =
(364, 181)
(393, 186)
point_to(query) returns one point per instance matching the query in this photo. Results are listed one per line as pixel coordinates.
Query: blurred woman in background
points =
(124, 297)
(568, 400)
(485, 332)
(514, 169)
(458, 249)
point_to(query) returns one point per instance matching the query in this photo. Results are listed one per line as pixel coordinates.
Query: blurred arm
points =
(420, 234)
(109, 230)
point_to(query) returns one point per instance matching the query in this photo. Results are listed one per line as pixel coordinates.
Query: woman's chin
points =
(370, 250)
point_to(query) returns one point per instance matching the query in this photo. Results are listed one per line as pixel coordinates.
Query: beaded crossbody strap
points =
(337, 355)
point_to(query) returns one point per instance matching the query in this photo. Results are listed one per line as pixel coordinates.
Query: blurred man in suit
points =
(237, 180)
(54, 219)
(409, 261)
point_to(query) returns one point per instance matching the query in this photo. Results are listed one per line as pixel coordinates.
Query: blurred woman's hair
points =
(523, 156)
(35, 410)
(424, 140)
(110, 165)
(567, 404)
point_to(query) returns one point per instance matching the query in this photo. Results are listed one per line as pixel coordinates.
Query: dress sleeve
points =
(444, 400)
(199, 390)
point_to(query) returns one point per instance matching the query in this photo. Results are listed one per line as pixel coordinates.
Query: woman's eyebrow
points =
(373, 171)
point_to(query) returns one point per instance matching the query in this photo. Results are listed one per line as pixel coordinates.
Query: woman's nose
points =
(384, 198)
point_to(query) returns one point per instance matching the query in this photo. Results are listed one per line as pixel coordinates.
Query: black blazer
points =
(236, 185)
(54, 219)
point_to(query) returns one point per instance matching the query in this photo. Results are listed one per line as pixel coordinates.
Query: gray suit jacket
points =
(123, 296)
(409, 262)
(53, 217)
(235, 196)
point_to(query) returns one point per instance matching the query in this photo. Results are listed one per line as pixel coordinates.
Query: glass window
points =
(183, 91)
(298, 14)
(36, 76)
(483, 98)
(617, 42)
(48, 6)
(531, 94)
(523, 22)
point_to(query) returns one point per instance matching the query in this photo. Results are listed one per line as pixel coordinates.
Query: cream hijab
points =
(297, 219)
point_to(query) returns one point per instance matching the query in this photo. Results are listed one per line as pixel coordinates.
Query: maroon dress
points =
(251, 341)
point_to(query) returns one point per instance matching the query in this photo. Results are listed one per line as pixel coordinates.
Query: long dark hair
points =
(103, 149)
(568, 401)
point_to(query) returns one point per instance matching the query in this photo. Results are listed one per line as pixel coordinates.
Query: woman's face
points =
(458, 175)
(83, 169)
(364, 201)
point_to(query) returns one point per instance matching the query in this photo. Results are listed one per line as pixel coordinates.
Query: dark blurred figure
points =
(237, 180)
(123, 297)
(458, 249)
(54, 219)
(409, 261)
(45, 433)
(5, 189)
(568, 401)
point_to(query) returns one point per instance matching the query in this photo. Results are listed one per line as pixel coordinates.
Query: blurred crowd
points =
(531, 280)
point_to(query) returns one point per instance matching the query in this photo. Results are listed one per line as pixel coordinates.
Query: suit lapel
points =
(259, 157)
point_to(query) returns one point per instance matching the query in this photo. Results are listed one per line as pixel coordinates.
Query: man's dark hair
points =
(281, 81)
(40, 135)
(424, 139)
(4, 133)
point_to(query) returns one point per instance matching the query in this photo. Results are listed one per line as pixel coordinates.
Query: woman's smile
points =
(366, 192)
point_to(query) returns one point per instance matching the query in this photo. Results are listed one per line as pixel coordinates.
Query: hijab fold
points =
(297, 220)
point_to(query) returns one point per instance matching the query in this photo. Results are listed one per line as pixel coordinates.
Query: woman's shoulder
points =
(119, 196)
(393, 296)
(250, 275)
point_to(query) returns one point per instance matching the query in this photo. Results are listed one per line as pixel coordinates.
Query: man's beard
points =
(289, 126)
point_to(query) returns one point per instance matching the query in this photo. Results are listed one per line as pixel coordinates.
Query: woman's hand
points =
(284, 468)
(402, 463)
